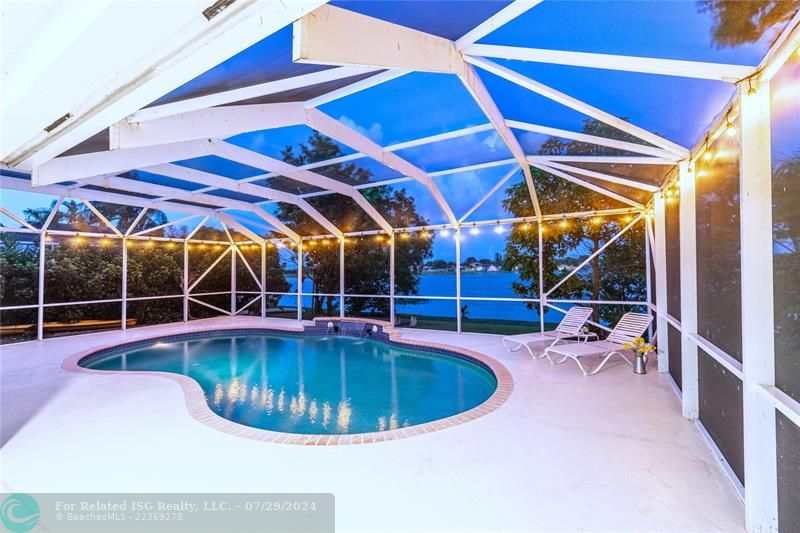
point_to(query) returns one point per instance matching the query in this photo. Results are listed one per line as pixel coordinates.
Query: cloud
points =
(374, 132)
(493, 141)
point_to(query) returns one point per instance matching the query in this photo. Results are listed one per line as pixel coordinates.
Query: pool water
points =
(314, 385)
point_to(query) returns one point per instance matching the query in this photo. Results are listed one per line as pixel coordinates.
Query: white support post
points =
(648, 274)
(263, 279)
(458, 278)
(758, 336)
(391, 277)
(233, 277)
(341, 277)
(124, 311)
(662, 325)
(42, 262)
(300, 280)
(689, 353)
(186, 279)
(542, 295)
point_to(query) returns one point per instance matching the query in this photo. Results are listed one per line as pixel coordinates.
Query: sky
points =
(422, 104)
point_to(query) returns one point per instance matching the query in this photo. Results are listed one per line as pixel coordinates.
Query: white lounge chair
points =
(629, 327)
(568, 328)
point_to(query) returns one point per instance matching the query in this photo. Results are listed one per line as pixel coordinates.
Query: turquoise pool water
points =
(316, 385)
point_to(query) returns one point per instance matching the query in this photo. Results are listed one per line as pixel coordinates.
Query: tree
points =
(738, 22)
(76, 214)
(615, 274)
(366, 259)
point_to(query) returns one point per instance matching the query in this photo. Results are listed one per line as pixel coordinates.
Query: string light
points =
(405, 236)
(563, 223)
(597, 219)
(730, 129)
(104, 241)
(150, 244)
(77, 240)
(525, 227)
(424, 235)
(444, 232)
(474, 230)
(498, 228)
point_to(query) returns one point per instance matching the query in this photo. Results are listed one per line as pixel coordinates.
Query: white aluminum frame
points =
(316, 41)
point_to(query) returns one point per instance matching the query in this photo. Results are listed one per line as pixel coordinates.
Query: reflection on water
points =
(316, 385)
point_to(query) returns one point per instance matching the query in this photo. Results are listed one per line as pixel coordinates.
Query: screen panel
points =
(674, 343)
(788, 440)
(721, 410)
(719, 282)
(785, 134)
(673, 254)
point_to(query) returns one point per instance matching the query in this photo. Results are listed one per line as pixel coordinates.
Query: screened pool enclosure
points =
(437, 165)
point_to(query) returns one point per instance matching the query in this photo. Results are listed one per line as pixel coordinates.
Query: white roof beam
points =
(336, 36)
(126, 184)
(502, 17)
(76, 167)
(272, 219)
(116, 182)
(591, 186)
(477, 89)
(245, 93)
(603, 176)
(391, 148)
(355, 87)
(158, 62)
(229, 220)
(646, 65)
(577, 105)
(593, 139)
(215, 122)
(349, 137)
(221, 182)
(21, 184)
(488, 194)
(215, 181)
(605, 159)
(256, 160)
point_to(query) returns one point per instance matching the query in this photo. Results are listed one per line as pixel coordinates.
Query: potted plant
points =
(640, 351)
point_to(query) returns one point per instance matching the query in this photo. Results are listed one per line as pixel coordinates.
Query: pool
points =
(292, 383)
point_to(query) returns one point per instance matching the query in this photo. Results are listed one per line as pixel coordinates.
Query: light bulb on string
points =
(563, 223)
(474, 230)
(444, 232)
(730, 129)
(498, 228)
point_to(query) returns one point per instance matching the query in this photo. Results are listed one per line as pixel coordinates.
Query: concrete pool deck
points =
(565, 452)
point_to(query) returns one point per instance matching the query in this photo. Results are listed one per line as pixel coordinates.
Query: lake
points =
(475, 284)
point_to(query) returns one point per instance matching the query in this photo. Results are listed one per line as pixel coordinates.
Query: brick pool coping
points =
(198, 407)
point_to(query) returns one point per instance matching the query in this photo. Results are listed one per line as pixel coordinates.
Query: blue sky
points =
(422, 104)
